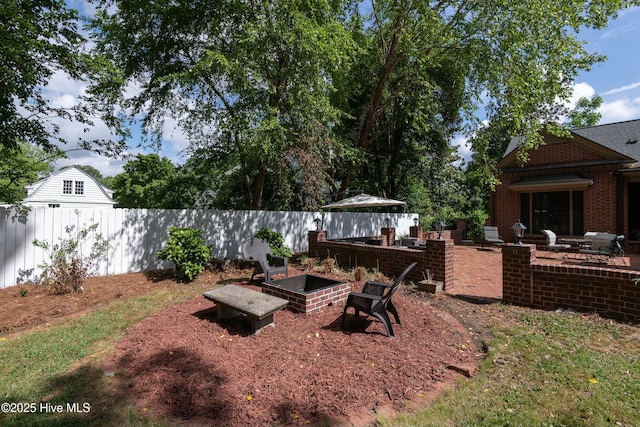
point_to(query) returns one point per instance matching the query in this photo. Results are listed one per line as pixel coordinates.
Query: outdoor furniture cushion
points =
(552, 246)
(258, 251)
(375, 300)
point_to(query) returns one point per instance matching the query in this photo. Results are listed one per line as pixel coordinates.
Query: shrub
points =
(475, 223)
(329, 264)
(187, 250)
(309, 263)
(68, 267)
(275, 241)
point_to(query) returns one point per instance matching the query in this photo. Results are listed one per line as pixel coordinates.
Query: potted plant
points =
(430, 285)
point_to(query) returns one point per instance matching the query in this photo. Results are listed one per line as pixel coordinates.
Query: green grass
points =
(56, 364)
(542, 369)
(546, 369)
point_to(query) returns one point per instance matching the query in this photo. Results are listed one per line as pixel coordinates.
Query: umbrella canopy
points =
(362, 201)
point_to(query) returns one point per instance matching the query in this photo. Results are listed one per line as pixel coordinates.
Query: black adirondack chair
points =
(375, 300)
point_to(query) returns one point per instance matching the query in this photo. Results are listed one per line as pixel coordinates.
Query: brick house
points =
(587, 182)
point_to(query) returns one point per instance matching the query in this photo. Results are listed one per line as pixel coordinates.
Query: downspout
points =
(620, 184)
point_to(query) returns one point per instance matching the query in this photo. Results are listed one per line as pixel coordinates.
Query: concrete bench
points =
(258, 307)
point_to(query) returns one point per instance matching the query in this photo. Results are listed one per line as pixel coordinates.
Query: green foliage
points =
(187, 250)
(145, 183)
(275, 241)
(253, 82)
(21, 165)
(39, 39)
(585, 113)
(68, 266)
(291, 97)
(476, 220)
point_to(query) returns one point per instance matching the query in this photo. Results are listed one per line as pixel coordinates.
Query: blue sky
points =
(617, 81)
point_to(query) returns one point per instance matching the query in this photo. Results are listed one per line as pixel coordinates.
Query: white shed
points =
(69, 188)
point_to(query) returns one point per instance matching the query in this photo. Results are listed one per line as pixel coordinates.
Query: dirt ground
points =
(183, 365)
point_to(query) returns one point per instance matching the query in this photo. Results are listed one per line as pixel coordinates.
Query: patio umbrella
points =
(362, 201)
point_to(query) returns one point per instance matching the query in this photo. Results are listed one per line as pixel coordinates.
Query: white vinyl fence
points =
(135, 235)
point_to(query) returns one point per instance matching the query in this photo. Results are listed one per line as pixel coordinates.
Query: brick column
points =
(390, 234)
(438, 259)
(315, 237)
(415, 231)
(516, 273)
(461, 224)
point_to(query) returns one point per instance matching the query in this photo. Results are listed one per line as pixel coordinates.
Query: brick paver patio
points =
(478, 271)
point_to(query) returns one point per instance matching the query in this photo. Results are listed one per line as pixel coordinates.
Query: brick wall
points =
(436, 256)
(311, 302)
(526, 281)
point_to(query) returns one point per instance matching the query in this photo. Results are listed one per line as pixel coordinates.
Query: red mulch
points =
(182, 364)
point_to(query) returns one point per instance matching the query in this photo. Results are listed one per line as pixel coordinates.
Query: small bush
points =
(69, 266)
(475, 223)
(309, 263)
(187, 250)
(275, 241)
(329, 264)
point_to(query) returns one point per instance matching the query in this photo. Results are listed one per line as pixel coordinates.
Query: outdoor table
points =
(575, 243)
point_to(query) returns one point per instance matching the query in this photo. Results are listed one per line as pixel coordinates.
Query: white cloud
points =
(614, 109)
(106, 166)
(463, 146)
(64, 92)
(621, 89)
(581, 90)
(65, 101)
(620, 110)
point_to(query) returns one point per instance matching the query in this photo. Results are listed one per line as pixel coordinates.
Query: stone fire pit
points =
(308, 293)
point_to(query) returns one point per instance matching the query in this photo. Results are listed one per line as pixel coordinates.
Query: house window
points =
(559, 211)
(67, 187)
(79, 187)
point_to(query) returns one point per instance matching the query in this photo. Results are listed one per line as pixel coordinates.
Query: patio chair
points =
(375, 300)
(552, 246)
(258, 251)
(492, 236)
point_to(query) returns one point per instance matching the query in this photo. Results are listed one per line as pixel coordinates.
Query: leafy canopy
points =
(291, 99)
(41, 38)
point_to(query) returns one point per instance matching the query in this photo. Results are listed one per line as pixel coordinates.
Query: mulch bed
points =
(184, 365)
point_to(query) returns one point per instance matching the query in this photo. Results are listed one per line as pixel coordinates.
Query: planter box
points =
(432, 286)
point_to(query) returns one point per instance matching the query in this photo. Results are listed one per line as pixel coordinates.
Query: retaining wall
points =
(608, 291)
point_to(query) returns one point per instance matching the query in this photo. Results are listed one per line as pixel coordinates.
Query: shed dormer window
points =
(67, 187)
(79, 187)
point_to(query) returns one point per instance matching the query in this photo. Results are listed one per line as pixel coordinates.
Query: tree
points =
(248, 79)
(305, 96)
(145, 183)
(515, 58)
(585, 113)
(20, 166)
(39, 38)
